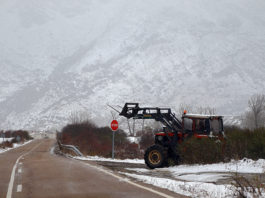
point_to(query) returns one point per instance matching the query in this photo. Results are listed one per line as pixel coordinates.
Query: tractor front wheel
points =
(155, 156)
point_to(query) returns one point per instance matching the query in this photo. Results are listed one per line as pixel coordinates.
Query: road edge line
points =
(19, 188)
(12, 177)
(129, 181)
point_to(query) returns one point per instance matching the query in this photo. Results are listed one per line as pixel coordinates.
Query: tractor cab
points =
(202, 125)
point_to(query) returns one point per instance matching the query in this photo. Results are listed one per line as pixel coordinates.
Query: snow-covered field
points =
(14, 146)
(211, 180)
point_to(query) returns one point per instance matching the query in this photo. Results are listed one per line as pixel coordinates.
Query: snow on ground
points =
(204, 177)
(134, 139)
(196, 180)
(96, 158)
(193, 189)
(192, 180)
(240, 166)
(5, 139)
(14, 146)
(184, 176)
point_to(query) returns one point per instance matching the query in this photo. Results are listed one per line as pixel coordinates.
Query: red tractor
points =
(175, 131)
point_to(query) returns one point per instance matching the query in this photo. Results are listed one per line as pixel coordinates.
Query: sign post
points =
(114, 126)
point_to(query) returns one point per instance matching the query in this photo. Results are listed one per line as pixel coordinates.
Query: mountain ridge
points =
(57, 58)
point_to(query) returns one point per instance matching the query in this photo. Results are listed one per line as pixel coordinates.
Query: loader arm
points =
(163, 115)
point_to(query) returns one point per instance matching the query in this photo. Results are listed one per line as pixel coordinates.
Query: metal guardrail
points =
(70, 147)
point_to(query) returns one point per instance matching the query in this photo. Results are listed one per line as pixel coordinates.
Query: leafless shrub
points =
(17, 135)
(193, 109)
(206, 110)
(182, 107)
(79, 117)
(6, 144)
(239, 144)
(146, 137)
(248, 187)
(93, 140)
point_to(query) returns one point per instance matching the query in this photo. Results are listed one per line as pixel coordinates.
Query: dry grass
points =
(239, 144)
(252, 187)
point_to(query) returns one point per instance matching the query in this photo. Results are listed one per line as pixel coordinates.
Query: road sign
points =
(114, 125)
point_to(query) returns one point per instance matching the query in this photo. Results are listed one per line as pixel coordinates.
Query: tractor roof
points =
(200, 116)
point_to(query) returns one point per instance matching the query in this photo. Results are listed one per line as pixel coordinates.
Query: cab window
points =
(216, 126)
(200, 126)
(188, 124)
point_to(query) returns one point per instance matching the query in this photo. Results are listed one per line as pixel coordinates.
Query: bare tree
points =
(247, 120)
(79, 117)
(257, 108)
(200, 110)
(206, 110)
(184, 107)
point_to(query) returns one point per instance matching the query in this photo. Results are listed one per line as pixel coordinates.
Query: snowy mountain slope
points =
(63, 56)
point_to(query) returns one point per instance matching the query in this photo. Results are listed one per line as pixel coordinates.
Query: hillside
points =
(59, 57)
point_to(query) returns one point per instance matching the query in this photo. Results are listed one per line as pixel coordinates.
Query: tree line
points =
(94, 140)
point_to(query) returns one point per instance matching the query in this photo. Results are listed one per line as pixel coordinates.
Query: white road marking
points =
(20, 163)
(130, 182)
(12, 177)
(19, 170)
(52, 150)
(19, 188)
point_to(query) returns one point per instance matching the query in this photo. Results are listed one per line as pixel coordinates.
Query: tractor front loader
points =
(175, 131)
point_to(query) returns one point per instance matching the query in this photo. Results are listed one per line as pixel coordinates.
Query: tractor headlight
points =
(223, 133)
(160, 138)
(211, 134)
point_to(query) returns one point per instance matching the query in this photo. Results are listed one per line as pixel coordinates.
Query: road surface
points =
(33, 171)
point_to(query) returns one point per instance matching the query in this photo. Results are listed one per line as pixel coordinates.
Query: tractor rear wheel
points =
(155, 156)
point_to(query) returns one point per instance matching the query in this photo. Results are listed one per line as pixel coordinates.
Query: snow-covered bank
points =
(96, 158)
(210, 180)
(5, 139)
(199, 180)
(240, 166)
(193, 189)
(14, 146)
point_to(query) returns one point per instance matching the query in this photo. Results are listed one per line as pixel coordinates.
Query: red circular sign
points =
(114, 125)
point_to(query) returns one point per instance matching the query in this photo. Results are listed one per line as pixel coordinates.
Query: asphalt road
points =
(39, 173)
